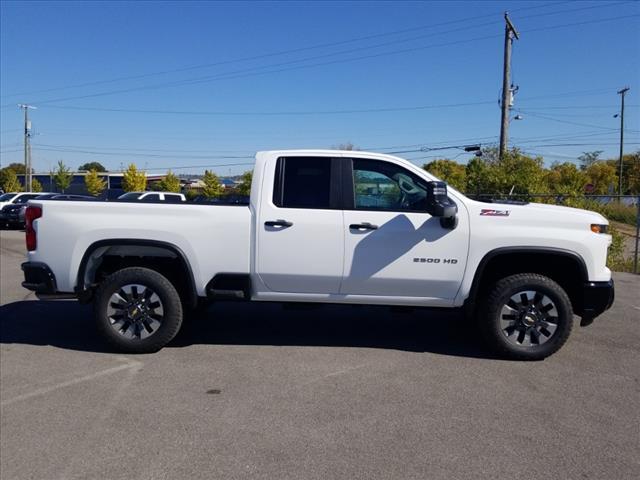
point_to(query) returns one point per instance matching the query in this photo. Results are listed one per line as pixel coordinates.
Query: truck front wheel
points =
(526, 317)
(138, 310)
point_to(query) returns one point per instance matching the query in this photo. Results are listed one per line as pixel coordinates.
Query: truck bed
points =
(218, 235)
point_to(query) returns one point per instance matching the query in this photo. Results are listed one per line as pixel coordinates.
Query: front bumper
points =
(11, 217)
(597, 298)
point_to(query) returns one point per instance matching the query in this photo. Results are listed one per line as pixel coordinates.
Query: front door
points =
(300, 239)
(393, 248)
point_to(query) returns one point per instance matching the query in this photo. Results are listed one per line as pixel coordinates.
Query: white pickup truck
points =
(327, 226)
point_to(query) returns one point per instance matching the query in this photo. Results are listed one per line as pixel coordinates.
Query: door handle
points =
(362, 226)
(278, 223)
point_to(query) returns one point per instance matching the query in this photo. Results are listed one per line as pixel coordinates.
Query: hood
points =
(594, 217)
(5, 207)
(540, 213)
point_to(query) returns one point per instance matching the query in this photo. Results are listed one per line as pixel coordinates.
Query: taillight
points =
(29, 216)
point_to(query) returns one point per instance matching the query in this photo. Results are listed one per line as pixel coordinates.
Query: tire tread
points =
(173, 306)
(493, 301)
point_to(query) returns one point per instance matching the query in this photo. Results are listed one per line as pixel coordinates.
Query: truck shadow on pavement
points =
(69, 325)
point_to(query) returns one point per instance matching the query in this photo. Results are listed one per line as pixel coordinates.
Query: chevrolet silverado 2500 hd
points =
(327, 226)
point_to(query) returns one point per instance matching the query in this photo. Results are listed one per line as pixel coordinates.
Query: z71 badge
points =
(487, 212)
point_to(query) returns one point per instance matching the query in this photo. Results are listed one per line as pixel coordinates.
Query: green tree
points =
(212, 186)
(245, 183)
(133, 179)
(566, 179)
(170, 183)
(93, 183)
(87, 167)
(17, 167)
(36, 186)
(602, 176)
(62, 176)
(9, 180)
(477, 175)
(450, 171)
(630, 172)
(514, 173)
(589, 158)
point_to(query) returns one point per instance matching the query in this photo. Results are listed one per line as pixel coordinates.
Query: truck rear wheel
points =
(138, 310)
(526, 317)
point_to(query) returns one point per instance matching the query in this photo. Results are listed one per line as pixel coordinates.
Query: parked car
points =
(10, 206)
(153, 197)
(313, 234)
(223, 200)
(17, 197)
(12, 214)
(111, 194)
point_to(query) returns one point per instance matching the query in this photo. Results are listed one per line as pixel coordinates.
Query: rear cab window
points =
(306, 182)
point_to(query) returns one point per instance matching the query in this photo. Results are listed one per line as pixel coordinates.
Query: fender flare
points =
(84, 292)
(558, 252)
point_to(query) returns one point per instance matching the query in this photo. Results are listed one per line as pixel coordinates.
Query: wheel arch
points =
(565, 267)
(133, 248)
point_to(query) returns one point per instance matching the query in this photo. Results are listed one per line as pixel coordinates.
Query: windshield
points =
(26, 198)
(130, 196)
(7, 196)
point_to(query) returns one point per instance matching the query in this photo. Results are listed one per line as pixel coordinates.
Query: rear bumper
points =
(597, 298)
(39, 278)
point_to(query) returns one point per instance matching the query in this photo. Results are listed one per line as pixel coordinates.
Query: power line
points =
(323, 112)
(284, 52)
(567, 107)
(233, 75)
(137, 154)
(130, 149)
(579, 144)
(275, 113)
(250, 72)
(545, 117)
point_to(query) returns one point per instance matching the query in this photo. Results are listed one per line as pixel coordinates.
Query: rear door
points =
(300, 236)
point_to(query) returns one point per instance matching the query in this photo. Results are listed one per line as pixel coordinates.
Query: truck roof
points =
(326, 153)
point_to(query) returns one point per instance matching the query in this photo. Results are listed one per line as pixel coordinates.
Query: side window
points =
(380, 185)
(303, 182)
(26, 198)
(172, 198)
(154, 197)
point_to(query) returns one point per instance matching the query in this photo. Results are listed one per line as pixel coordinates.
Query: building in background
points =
(114, 182)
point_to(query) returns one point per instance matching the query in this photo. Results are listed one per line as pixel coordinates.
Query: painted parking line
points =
(131, 364)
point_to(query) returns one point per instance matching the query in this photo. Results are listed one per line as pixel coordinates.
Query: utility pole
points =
(622, 94)
(509, 33)
(27, 146)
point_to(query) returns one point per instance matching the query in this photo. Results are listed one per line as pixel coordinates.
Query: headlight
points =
(597, 228)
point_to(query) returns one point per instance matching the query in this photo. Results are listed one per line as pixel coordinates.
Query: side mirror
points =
(439, 204)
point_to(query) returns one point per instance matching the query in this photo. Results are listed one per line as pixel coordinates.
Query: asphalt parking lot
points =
(267, 391)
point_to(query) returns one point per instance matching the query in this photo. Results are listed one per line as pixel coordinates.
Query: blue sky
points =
(189, 84)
